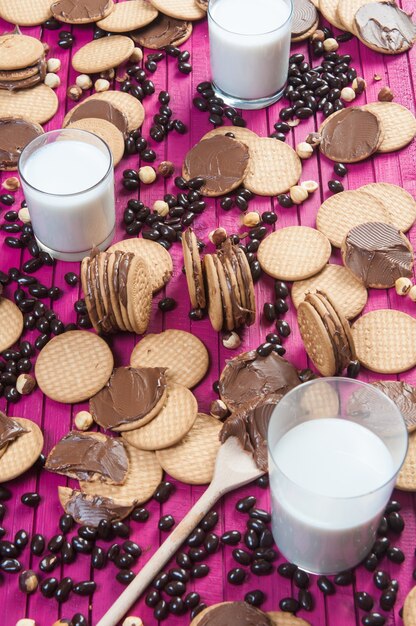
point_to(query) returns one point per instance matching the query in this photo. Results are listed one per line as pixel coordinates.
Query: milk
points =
(69, 190)
(333, 480)
(249, 48)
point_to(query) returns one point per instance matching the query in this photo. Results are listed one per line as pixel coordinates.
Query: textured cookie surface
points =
(157, 258)
(128, 15)
(398, 124)
(316, 340)
(106, 131)
(22, 453)
(399, 203)
(273, 168)
(19, 51)
(25, 12)
(102, 54)
(406, 480)
(11, 323)
(181, 9)
(37, 104)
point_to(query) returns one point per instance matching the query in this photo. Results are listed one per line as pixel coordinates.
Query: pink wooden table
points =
(56, 419)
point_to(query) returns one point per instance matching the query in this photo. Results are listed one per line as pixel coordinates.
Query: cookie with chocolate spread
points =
(81, 11)
(230, 614)
(384, 27)
(193, 269)
(350, 135)
(163, 31)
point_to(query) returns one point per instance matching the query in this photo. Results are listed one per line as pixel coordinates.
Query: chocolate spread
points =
(403, 395)
(15, 134)
(378, 254)
(384, 25)
(103, 110)
(89, 456)
(305, 15)
(123, 272)
(235, 614)
(9, 430)
(80, 10)
(90, 510)
(192, 245)
(350, 135)
(163, 31)
(130, 394)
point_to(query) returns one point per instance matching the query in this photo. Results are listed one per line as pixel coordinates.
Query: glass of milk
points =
(249, 48)
(335, 449)
(68, 180)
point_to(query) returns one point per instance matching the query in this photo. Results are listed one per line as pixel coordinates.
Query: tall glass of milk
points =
(335, 449)
(68, 180)
(249, 48)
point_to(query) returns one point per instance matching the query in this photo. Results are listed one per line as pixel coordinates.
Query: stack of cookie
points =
(229, 291)
(22, 61)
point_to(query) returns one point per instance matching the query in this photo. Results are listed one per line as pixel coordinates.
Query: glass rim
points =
(350, 381)
(66, 130)
(233, 32)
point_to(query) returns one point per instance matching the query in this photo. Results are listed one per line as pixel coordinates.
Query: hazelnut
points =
(161, 207)
(52, 80)
(376, 77)
(250, 219)
(318, 35)
(53, 65)
(83, 420)
(28, 581)
(23, 215)
(304, 150)
(63, 622)
(348, 94)
(121, 78)
(217, 236)
(298, 194)
(231, 341)
(102, 84)
(403, 285)
(132, 621)
(293, 123)
(26, 622)
(166, 169)
(359, 85)
(385, 95)
(218, 409)
(331, 44)
(412, 293)
(74, 92)
(147, 175)
(83, 81)
(136, 55)
(309, 185)
(108, 74)
(25, 384)
(11, 184)
(314, 139)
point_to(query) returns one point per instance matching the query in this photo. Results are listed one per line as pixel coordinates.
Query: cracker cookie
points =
(385, 341)
(184, 355)
(130, 106)
(406, 480)
(102, 54)
(84, 12)
(294, 253)
(351, 135)
(171, 425)
(245, 135)
(397, 122)
(74, 366)
(345, 290)
(280, 618)
(155, 255)
(128, 15)
(342, 211)
(11, 323)
(98, 109)
(329, 9)
(273, 168)
(192, 460)
(107, 132)
(400, 204)
(19, 51)
(193, 269)
(252, 615)
(37, 104)
(347, 11)
(215, 310)
(316, 339)
(181, 9)
(25, 12)
(163, 31)
(409, 608)
(22, 453)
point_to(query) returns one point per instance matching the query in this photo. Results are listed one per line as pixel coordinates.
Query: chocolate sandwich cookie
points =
(90, 510)
(81, 11)
(384, 27)
(163, 31)
(24, 78)
(230, 266)
(305, 16)
(15, 134)
(404, 396)
(350, 135)
(378, 254)
(193, 269)
(9, 431)
(232, 614)
(101, 109)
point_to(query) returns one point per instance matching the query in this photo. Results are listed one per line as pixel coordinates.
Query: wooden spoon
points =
(233, 468)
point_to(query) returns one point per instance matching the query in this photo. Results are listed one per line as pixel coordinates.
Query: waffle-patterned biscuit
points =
(130, 106)
(215, 310)
(128, 15)
(25, 12)
(184, 355)
(273, 168)
(294, 253)
(139, 300)
(348, 293)
(19, 51)
(106, 131)
(255, 613)
(399, 203)
(74, 366)
(329, 9)
(102, 54)
(397, 122)
(192, 460)
(385, 341)
(171, 425)
(316, 339)
(62, 14)
(143, 476)
(409, 608)
(406, 480)
(320, 400)
(156, 256)
(347, 11)
(22, 453)
(11, 323)
(342, 211)
(37, 104)
(181, 9)
(280, 618)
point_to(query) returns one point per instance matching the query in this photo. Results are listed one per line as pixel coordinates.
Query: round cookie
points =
(37, 104)
(181, 9)
(294, 253)
(19, 51)
(102, 54)
(316, 340)
(399, 203)
(329, 9)
(74, 366)
(245, 281)
(192, 460)
(143, 476)
(163, 31)
(193, 269)
(406, 480)
(385, 341)
(125, 102)
(280, 618)
(128, 15)
(347, 292)
(155, 255)
(11, 323)
(170, 425)
(245, 135)
(98, 109)
(304, 19)
(139, 289)
(256, 616)
(398, 124)
(385, 28)
(274, 167)
(215, 310)
(71, 12)
(22, 453)
(203, 4)
(107, 132)
(342, 211)
(308, 33)
(347, 11)
(184, 355)
(25, 13)
(351, 135)
(404, 396)
(409, 608)
(228, 320)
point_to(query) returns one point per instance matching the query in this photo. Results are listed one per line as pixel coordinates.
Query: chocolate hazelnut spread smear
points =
(9, 430)
(89, 456)
(15, 134)
(130, 394)
(163, 31)
(79, 10)
(378, 254)
(384, 25)
(404, 396)
(103, 110)
(90, 510)
(305, 15)
(350, 135)
(235, 614)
